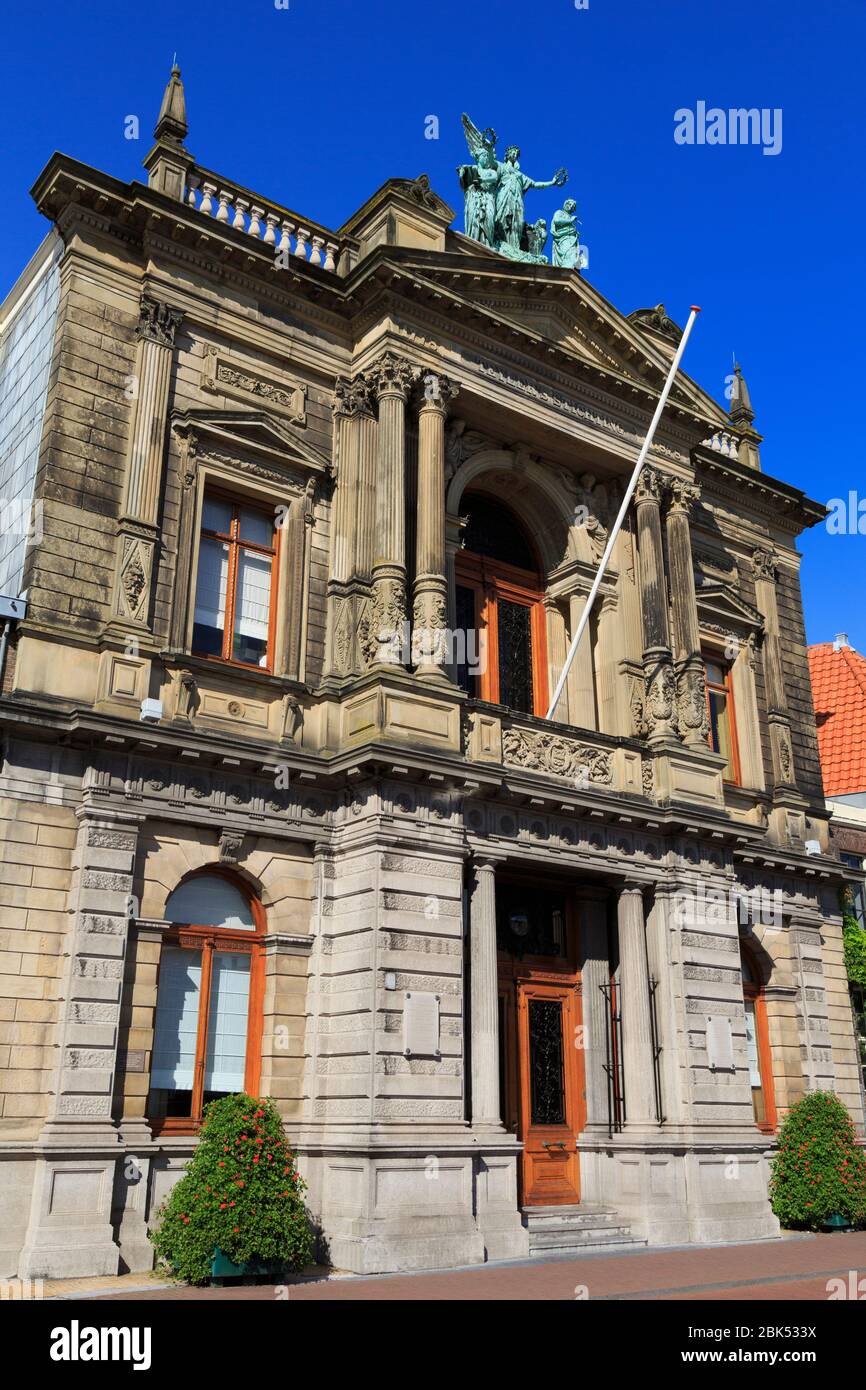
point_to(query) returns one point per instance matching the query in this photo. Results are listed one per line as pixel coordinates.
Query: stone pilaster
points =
(430, 596)
(187, 474)
(594, 973)
(659, 703)
(138, 529)
(689, 666)
(393, 377)
(352, 522)
(580, 682)
(635, 1008)
(766, 571)
(484, 1000)
(70, 1220)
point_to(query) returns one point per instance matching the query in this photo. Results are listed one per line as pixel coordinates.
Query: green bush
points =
(819, 1168)
(241, 1191)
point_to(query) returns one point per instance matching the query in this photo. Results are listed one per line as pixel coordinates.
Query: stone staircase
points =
(577, 1230)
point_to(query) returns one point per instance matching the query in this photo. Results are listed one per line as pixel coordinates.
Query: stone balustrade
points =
(269, 223)
(723, 442)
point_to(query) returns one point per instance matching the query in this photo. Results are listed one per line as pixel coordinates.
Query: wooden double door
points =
(541, 1041)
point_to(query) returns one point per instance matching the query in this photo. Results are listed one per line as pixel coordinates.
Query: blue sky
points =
(318, 103)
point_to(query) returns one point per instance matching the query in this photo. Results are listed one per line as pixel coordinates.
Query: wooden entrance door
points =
(541, 1061)
(547, 1029)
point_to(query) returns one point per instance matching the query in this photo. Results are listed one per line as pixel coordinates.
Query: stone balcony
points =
(581, 759)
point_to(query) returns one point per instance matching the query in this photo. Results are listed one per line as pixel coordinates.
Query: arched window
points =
(758, 1044)
(499, 594)
(207, 1034)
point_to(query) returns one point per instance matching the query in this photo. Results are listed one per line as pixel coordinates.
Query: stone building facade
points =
(316, 514)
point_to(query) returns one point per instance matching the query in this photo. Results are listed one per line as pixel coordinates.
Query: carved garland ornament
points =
(542, 752)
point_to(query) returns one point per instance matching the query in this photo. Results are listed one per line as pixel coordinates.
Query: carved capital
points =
(437, 391)
(683, 496)
(765, 565)
(649, 486)
(158, 322)
(393, 375)
(352, 397)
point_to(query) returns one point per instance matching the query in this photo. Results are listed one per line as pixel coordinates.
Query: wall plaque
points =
(720, 1044)
(421, 1025)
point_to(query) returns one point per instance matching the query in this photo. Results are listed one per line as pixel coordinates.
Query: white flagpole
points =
(615, 529)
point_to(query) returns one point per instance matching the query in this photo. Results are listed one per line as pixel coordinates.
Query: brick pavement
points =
(783, 1270)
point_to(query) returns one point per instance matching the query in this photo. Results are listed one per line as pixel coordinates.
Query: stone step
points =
(535, 1218)
(575, 1229)
(573, 1243)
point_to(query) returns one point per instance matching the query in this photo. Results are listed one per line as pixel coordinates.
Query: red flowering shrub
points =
(241, 1191)
(819, 1169)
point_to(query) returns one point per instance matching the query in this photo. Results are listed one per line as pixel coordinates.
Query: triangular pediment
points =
(721, 606)
(549, 310)
(252, 432)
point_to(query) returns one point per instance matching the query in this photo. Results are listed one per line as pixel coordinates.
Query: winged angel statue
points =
(493, 193)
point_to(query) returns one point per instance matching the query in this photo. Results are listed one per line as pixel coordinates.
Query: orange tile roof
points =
(839, 691)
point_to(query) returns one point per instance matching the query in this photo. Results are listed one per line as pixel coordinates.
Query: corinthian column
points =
(353, 522)
(137, 532)
(637, 1055)
(392, 377)
(658, 666)
(484, 997)
(691, 687)
(429, 606)
(766, 571)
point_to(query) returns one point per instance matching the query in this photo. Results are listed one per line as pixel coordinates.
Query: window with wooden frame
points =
(208, 1025)
(499, 593)
(721, 717)
(758, 1044)
(234, 593)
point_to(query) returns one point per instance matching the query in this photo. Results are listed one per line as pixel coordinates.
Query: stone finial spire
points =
(169, 163)
(171, 124)
(741, 411)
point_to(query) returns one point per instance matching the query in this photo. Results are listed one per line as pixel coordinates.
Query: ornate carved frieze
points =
(560, 402)
(538, 751)
(222, 375)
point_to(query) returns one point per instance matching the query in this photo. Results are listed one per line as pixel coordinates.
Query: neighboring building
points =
(839, 689)
(488, 964)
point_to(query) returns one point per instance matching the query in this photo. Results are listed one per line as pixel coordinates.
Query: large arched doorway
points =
(208, 1024)
(499, 595)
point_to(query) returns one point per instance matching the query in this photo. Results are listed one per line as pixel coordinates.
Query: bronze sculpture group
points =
(494, 213)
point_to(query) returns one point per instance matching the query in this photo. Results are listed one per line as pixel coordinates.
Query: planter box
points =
(221, 1267)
